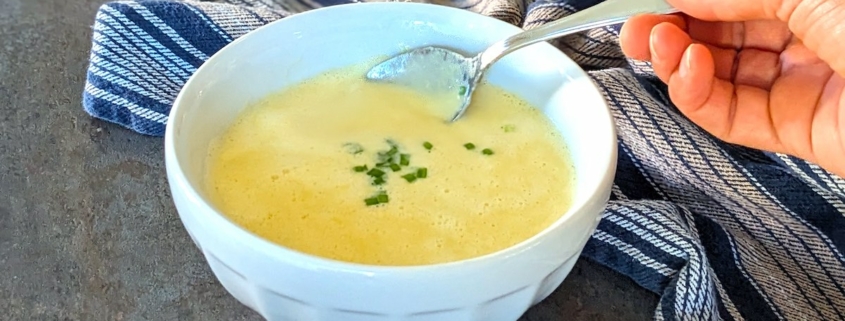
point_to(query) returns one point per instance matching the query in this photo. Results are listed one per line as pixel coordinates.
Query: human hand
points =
(766, 74)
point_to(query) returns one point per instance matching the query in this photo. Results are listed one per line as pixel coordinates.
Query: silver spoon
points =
(443, 72)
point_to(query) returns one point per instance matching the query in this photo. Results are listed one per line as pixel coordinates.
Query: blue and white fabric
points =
(717, 230)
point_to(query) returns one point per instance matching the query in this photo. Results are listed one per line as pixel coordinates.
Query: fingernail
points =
(652, 40)
(686, 63)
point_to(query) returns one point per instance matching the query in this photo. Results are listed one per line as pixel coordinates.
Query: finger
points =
(636, 32)
(827, 127)
(806, 82)
(690, 85)
(771, 35)
(712, 103)
(717, 33)
(732, 10)
(667, 45)
(724, 61)
(757, 68)
(748, 67)
(749, 122)
(820, 24)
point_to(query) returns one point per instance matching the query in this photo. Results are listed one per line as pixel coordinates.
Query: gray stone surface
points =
(87, 228)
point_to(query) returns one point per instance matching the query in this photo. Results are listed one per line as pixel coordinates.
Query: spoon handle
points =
(603, 14)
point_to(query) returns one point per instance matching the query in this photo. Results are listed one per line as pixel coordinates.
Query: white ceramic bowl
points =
(282, 284)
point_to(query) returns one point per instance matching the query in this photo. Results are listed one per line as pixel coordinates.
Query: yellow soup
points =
(297, 168)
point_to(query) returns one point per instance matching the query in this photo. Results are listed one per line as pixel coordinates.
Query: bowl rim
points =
(176, 175)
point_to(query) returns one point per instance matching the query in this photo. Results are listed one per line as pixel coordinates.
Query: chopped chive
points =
(508, 128)
(383, 157)
(371, 201)
(422, 172)
(462, 91)
(359, 169)
(393, 150)
(375, 172)
(405, 159)
(410, 177)
(353, 148)
(378, 181)
(469, 146)
(382, 198)
(383, 164)
(395, 167)
(487, 151)
(428, 145)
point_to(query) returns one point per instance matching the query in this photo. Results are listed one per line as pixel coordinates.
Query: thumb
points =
(818, 24)
(731, 10)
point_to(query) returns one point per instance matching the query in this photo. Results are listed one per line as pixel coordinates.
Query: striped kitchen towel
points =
(718, 231)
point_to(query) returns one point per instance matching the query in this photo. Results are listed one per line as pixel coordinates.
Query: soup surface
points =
(346, 169)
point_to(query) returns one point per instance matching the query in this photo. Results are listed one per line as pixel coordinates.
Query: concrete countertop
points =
(87, 227)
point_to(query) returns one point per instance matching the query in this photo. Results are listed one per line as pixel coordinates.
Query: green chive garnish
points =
(487, 151)
(395, 167)
(410, 177)
(428, 145)
(375, 172)
(422, 172)
(371, 201)
(353, 148)
(469, 146)
(378, 181)
(382, 198)
(393, 150)
(359, 169)
(462, 91)
(405, 159)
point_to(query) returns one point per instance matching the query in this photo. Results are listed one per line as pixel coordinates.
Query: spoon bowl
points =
(436, 71)
(449, 75)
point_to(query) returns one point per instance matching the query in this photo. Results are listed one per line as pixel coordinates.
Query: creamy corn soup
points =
(346, 169)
